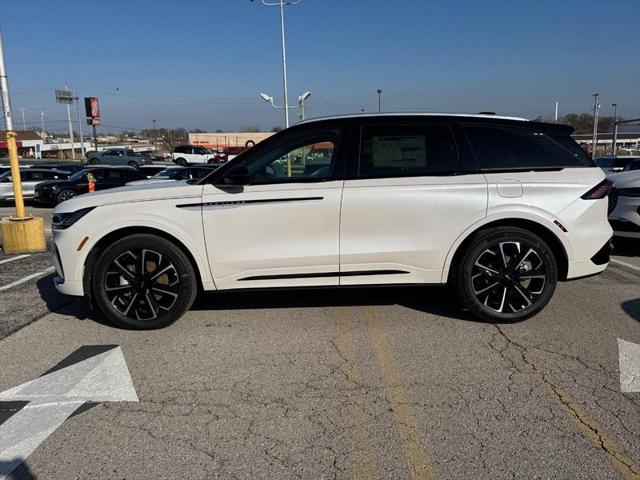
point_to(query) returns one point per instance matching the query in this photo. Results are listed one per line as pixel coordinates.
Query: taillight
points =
(599, 191)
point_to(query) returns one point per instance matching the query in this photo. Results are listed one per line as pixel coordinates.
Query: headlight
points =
(62, 221)
(629, 192)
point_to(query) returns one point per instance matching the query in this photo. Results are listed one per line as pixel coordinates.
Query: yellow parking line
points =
(362, 454)
(589, 427)
(416, 456)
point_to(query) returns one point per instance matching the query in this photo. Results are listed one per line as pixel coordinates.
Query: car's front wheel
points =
(64, 195)
(143, 281)
(94, 161)
(505, 274)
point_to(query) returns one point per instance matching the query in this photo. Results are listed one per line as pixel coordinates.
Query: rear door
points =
(410, 193)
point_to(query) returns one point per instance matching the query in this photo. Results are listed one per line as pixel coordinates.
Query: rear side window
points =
(407, 150)
(506, 148)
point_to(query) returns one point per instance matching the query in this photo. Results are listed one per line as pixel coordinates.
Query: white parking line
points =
(625, 264)
(26, 279)
(19, 257)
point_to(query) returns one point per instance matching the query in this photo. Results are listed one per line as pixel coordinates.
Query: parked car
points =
(30, 177)
(633, 164)
(614, 164)
(70, 168)
(105, 178)
(186, 154)
(150, 170)
(118, 156)
(499, 208)
(624, 204)
(180, 173)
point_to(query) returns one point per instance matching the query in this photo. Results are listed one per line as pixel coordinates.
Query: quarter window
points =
(504, 148)
(407, 150)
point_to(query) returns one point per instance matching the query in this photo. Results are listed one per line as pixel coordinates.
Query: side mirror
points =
(238, 175)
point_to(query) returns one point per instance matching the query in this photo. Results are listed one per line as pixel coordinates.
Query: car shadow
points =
(433, 300)
(632, 308)
(20, 472)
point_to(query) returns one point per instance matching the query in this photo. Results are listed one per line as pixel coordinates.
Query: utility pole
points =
(154, 134)
(73, 151)
(596, 107)
(21, 233)
(556, 116)
(44, 134)
(24, 122)
(379, 100)
(615, 128)
(282, 4)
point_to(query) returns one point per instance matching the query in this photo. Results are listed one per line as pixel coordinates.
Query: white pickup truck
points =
(186, 154)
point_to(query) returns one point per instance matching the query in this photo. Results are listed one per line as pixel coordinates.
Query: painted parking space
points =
(353, 384)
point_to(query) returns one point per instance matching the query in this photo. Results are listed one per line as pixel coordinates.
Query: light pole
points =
(556, 115)
(379, 100)
(282, 4)
(24, 122)
(42, 123)
(154, 135)
(301, 100)
(77, 99)
(596, 107)
(615, 128)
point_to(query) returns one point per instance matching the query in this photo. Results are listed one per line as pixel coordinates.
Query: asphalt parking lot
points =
(354, 383)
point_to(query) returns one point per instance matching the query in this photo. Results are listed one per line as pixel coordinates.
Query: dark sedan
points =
(55, 192)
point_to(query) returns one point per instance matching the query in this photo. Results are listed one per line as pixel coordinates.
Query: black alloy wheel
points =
(65, 195)
(144, 282)
(507, 274)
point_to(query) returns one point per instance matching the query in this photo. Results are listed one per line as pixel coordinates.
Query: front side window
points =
(305, 158)
(407, 150)
(505, 148)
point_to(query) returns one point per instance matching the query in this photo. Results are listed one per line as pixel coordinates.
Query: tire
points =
(250, 143)
(118, 285)
(181, 161)
(94, 161)
(133, 164)
(505, 274)
(64, 195)
(211, 161)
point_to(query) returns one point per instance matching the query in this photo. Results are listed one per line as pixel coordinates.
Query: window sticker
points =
(399, 151)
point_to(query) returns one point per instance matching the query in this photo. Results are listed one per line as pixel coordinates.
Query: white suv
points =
(499, 208)
(186, 154)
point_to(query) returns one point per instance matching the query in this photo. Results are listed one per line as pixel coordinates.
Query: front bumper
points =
(44, 196)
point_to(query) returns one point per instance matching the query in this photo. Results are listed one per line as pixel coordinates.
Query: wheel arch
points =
(556, 245)
(119, 233)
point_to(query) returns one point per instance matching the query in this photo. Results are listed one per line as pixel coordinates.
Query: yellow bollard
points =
(22, 233)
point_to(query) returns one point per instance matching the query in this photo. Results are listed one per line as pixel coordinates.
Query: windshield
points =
(168, 173)
(77, 176)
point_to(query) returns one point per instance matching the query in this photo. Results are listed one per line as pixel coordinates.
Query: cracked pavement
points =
(358, 383)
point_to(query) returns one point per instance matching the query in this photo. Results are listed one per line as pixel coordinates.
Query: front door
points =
(282, 229)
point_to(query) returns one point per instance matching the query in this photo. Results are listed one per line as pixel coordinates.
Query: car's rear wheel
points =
(64, 195)
(505, 274)
(144, 281)
(94, 161)
(181, 161)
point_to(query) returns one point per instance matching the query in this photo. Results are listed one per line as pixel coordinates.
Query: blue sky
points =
(202, 63)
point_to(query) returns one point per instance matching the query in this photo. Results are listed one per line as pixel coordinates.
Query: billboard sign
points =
(91, 107)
